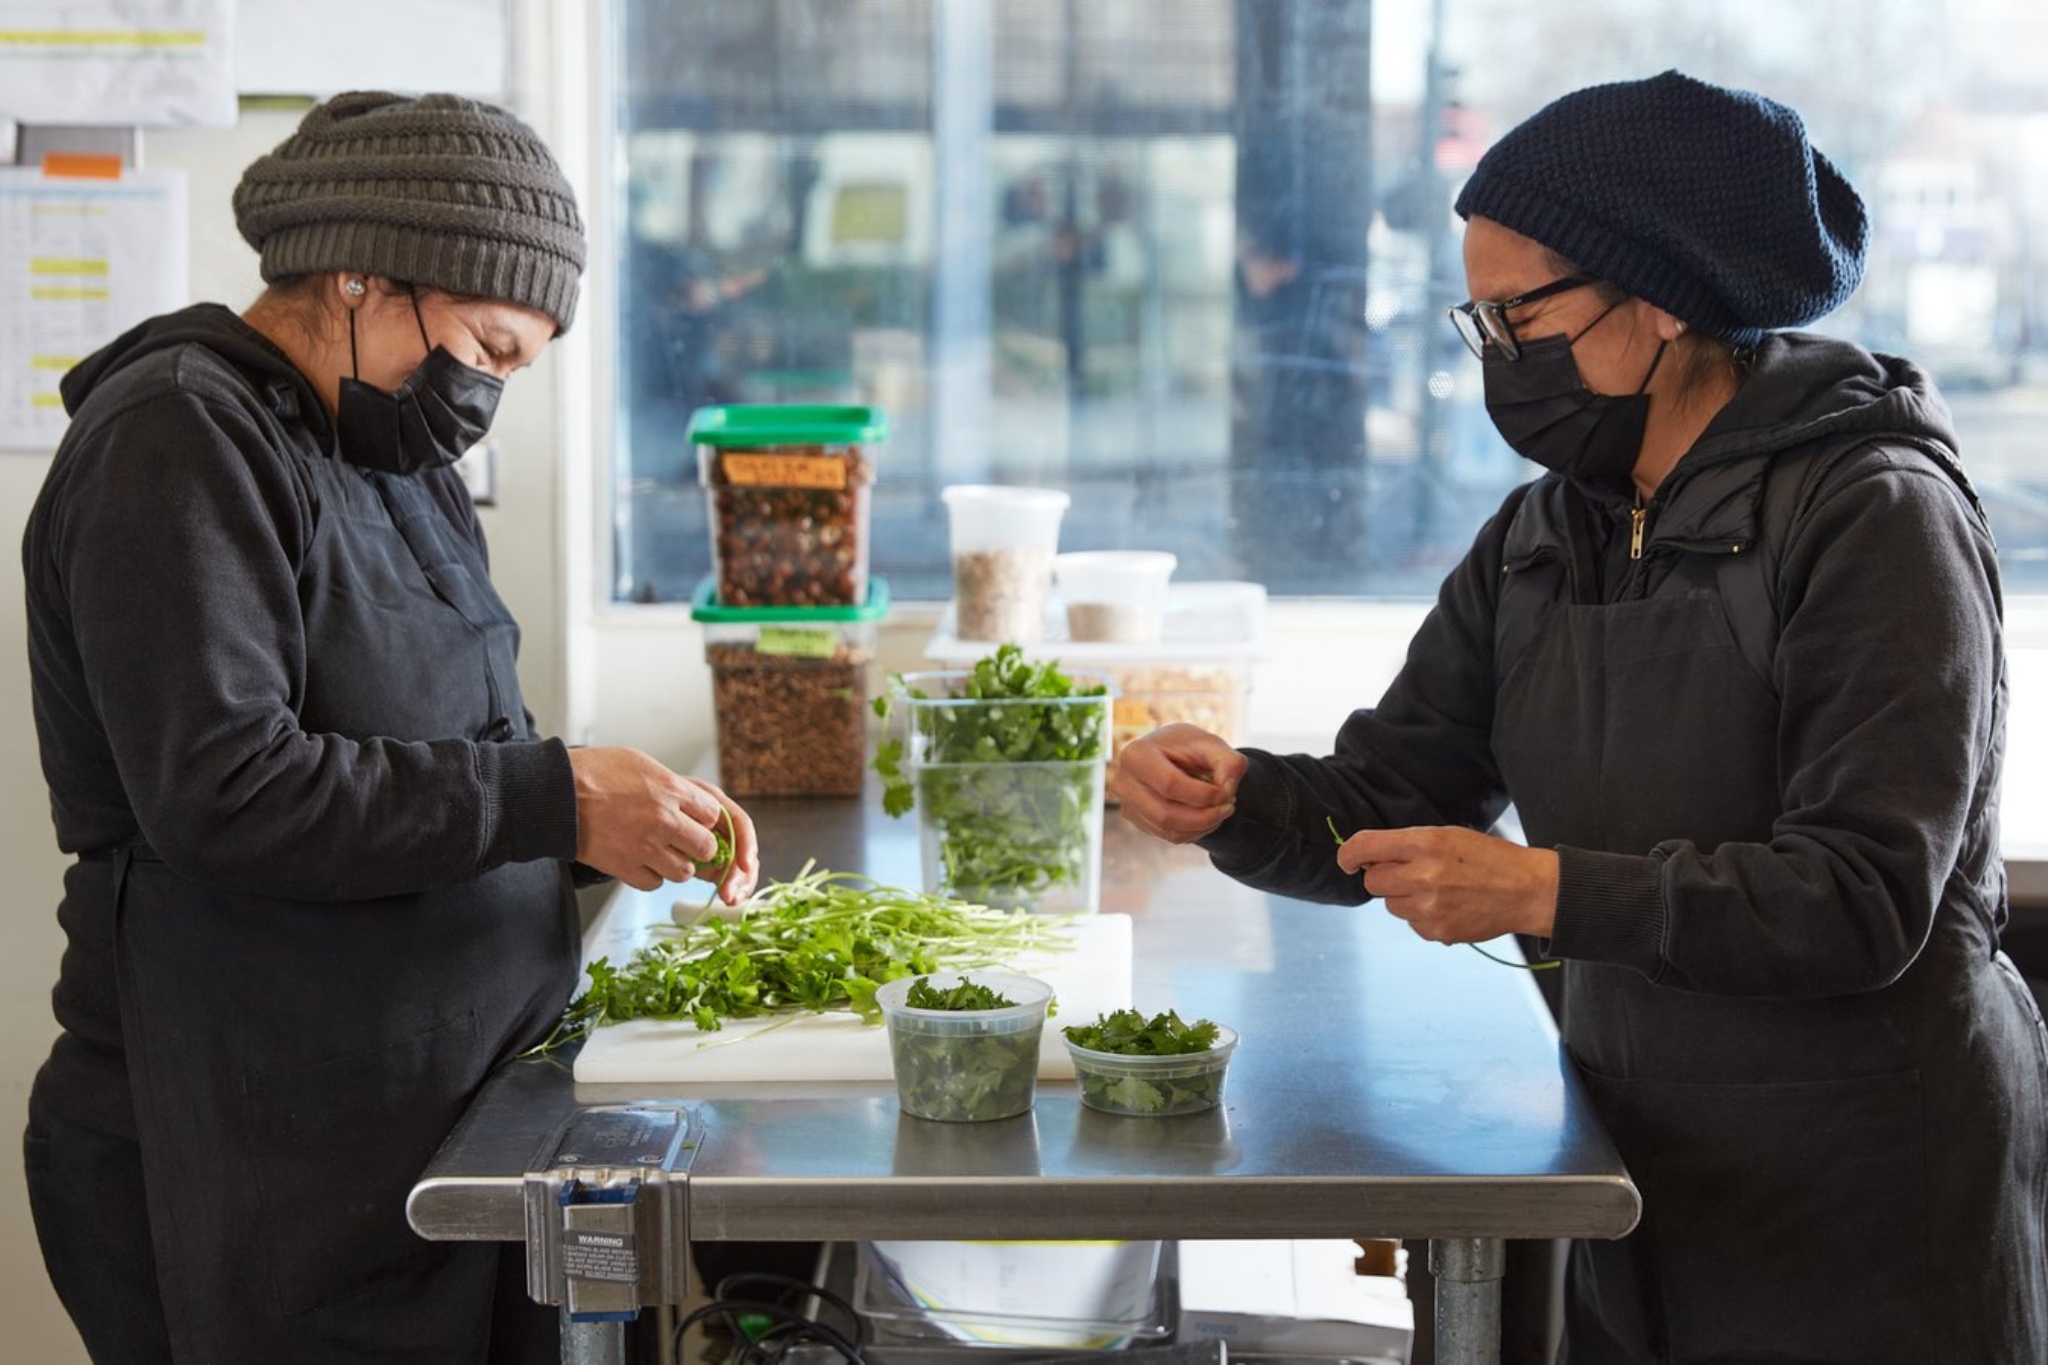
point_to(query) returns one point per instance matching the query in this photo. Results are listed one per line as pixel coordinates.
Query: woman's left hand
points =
(1455, 885)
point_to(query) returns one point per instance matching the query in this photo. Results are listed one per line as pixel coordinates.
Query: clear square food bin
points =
(789, 489)
(789, 687)
(1017, 833)
(1198, 672)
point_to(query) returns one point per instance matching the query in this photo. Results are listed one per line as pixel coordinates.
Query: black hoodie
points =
(281, 726)
(240, 659)
(1780, 891)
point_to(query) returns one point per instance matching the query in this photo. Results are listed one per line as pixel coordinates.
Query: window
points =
(1188, 259)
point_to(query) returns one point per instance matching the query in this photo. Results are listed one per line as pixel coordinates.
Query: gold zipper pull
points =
(1637, 518)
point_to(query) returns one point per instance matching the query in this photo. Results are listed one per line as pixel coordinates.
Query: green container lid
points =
(704, 606)
(744, 425)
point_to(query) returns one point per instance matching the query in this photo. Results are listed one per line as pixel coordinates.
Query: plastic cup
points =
(1004, 540)
(966, 1065)
(1117, 595)
(1185, 1083)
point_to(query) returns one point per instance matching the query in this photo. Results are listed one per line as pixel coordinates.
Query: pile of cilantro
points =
(823, 941)
(1008, 788)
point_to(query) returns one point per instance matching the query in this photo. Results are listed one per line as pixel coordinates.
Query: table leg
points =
(593, 1343)
(1468, 1272)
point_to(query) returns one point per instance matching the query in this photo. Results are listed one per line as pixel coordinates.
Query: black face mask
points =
(1545, 411)
(434, 416)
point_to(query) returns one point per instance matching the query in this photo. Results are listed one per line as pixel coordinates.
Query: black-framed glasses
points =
(1484, 322)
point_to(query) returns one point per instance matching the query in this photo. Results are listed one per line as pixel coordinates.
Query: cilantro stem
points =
(1548, 964)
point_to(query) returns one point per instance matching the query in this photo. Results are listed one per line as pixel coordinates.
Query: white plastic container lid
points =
(1001, 517)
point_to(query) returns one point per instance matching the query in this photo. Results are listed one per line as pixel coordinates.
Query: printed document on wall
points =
(118, 62)
(81, 261)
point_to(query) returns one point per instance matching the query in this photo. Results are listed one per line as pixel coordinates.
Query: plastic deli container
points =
(1004, 540)
(1018, 835)
(789, 488)
(789, 687)
(1199, 671)
(966, 1065)
(1114, 595)
(1159, 1087)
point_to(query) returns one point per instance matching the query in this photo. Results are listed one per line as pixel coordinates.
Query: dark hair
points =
(301, 301)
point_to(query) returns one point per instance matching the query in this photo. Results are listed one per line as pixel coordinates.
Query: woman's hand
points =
(1455, 885)
(1177, 783)
(638, 821)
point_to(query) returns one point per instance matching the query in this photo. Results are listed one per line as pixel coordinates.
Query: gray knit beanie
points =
(439, 191)
(1709, 202)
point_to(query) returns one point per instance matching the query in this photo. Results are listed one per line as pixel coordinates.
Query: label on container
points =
(784, 471)
(803, 642)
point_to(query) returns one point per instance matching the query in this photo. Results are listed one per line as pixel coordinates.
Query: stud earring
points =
(355, 289)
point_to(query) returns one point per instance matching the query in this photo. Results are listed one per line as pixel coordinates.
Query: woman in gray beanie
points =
(1735, 658)
(323, 877)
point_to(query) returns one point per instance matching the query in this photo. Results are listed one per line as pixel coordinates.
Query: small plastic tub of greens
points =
(965, 1044)
(1128, 1063)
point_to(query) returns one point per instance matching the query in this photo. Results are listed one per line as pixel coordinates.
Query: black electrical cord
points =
(789, 1284)
(791, 1328)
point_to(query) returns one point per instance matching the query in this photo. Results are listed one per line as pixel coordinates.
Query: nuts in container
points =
(789, 686)
(789, 487)
(1003, 541)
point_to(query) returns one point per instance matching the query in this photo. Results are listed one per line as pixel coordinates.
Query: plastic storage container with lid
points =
(1003, 539)
(1008, 790)
(789, 686)
(966, 1065)
(789, 489)
(1114, 595)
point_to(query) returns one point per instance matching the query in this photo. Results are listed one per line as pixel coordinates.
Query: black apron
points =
(294, 1065)
(1853, 1180)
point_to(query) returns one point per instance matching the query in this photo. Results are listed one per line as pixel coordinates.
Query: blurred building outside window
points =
(1189, 259)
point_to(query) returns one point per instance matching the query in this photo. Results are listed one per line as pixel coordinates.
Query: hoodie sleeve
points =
(1889, 667)
(1423, 756)
(174, 540)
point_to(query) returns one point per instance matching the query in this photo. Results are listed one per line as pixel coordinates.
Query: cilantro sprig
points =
(1547, 964)
(1004, 785)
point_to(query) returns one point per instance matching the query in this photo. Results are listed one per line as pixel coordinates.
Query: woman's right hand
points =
(638, 821)
(1177, 783)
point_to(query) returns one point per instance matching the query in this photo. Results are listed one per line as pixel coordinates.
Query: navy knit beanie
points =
(1706, 201)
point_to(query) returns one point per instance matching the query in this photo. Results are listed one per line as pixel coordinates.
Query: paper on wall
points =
(81, 261)
(115, 62)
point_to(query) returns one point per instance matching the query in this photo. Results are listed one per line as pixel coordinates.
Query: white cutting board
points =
(1091, 976)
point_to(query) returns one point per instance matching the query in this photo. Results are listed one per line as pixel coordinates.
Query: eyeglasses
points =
(1484, 322)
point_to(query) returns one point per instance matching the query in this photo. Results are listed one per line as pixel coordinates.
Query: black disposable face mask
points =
(432, 418)
(1544, 410)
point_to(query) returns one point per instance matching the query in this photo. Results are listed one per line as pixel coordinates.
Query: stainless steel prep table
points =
(1384, 1087)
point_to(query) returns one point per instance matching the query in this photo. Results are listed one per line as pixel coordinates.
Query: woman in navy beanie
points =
(1735, 657)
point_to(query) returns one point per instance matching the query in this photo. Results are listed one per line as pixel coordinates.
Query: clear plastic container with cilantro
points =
(1127, 1064)
(964, 1045)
